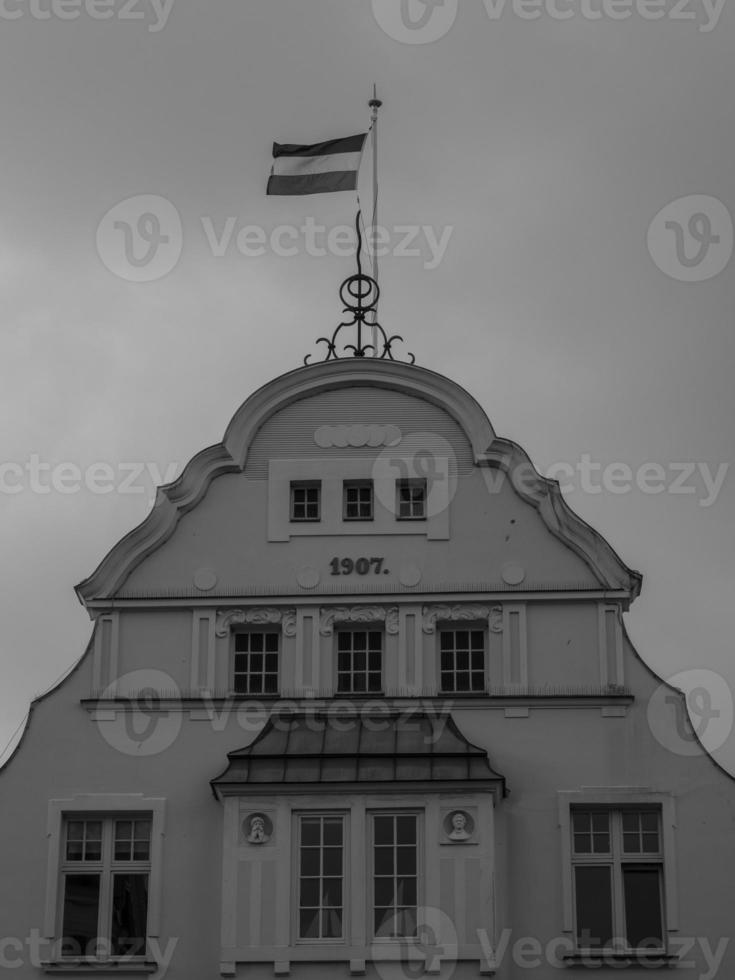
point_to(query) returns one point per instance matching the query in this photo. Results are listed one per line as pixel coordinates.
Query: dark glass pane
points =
(447, 681)
(94, 830)
(332, 893)
(241, 641)
(311, 831)
(463, 639)
(75, 830)
(582, 844)
(375, 641)
(477, 638)
(359, 660)
(601, 843)
(580, 822)
(478, 681)
(359, 641)
(271, 642)
(256, 662)
(630, 822)
(332, 924)
(93, 850)
(332, 860)
(123, 830)
(446, 641)
(407, 891)
(343, 641)
(650, 843)
(309, 893)
(141, 850)
(478, 660)
(463, 681)
(406, 830)
(332, 831)
(594, 906)
(81, 906)
(383, 921)
(122, 850)
(383, 892)
(374, 660)
(256, 642)
(271, 662)
(406, 922)
(642, 905)
(383, 827)
(649, 823)
(271, 684)
(241, 662)
(601, 822)
(129, 914)
(406, 861)
(310, 864)
(631, 843)
(383, 860)
(375, 682)
(309, 924)
(74, 850)
(359, 683)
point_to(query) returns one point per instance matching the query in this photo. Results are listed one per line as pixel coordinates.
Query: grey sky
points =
(546, 146)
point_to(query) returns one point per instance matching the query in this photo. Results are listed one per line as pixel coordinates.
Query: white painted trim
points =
(509, 654)
(605, 609)
(203, 660)
(106, 651)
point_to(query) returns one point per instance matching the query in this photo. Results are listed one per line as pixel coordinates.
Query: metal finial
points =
(360, 294)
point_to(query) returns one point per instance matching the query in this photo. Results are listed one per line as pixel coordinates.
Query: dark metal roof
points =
(323, 747)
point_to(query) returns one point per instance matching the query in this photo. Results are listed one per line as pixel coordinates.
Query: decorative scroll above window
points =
(455, 614)
(257, 617)
(333, 615)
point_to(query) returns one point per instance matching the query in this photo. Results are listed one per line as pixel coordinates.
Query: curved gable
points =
(275, 421)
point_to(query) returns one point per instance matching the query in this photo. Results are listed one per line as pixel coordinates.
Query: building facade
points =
(359, 700)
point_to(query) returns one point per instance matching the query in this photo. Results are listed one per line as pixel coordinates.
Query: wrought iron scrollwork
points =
(360, 294)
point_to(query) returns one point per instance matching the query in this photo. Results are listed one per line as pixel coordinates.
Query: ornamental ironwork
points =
(360, 294)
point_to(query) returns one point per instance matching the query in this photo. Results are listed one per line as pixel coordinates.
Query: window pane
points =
(309, 923)
(81, 909)
(129, 914)
(310, 861)
(643, 921)
(593, 895)
(310, 893)
(320, 887)
(384, 861)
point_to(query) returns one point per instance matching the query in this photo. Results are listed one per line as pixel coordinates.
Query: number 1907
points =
(360, 566)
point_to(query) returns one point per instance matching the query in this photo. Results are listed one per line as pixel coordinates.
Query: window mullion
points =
(616, 841)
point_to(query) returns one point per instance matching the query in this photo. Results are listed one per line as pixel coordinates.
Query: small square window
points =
(306, 501)
(256, 663)
(358, 500)
(411, 500)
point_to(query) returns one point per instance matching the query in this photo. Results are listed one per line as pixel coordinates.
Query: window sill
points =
(120, 968)
(594, 959)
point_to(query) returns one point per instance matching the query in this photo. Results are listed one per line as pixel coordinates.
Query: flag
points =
(317, 169)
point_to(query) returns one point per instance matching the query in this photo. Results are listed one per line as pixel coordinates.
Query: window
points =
(359, 661)
(462, 660)
(106, 864)
(617, 863)
(306, 500)
(411, 500)
(256, 663)
(321, 877)
(395, 875)
(357, 500)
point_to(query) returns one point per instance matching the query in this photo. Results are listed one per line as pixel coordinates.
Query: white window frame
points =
(371, 814)
(412, 483)
(279, 654)
(105, 807)
(305, 485)
(358, 485)
(616, 799)
(298, 940)
(476, 627)
(367, 693)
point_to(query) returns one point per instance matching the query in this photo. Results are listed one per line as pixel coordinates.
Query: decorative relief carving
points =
(434, 614)
(332, 615)
(343, 436)
(256, 617)
(495, 622)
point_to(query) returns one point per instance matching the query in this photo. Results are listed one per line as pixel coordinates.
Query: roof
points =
(403, 749)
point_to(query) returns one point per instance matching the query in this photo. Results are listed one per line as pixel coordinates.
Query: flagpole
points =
(375, 104)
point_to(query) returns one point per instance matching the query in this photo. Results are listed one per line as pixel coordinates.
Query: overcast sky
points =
(537, 143)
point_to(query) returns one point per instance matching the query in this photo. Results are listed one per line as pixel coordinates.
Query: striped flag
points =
(317, 169)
